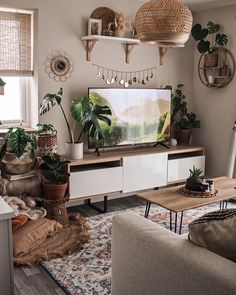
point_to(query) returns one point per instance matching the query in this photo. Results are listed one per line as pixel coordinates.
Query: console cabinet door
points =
(144, 172)
(178, 169)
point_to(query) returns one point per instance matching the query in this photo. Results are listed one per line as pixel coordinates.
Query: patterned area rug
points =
(88, 272)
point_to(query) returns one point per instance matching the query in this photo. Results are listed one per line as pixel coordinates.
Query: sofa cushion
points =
(216, 231)
(33, 234)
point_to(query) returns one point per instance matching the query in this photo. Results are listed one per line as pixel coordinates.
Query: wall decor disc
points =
(59, 66)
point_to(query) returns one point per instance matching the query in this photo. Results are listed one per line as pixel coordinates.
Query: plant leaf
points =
(221, 39)
(198, 32)
(203, 46)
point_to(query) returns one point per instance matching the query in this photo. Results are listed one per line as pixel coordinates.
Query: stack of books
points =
(19, 176)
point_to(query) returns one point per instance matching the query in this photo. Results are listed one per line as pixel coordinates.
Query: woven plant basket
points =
(56, 210)
(211, 60)
(47, 144)
(164, 22)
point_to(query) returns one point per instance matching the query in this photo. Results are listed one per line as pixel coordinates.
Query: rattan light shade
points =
(164, 22)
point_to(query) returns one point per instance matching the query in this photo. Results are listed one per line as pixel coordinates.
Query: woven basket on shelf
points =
(164, 22)
(47, 144)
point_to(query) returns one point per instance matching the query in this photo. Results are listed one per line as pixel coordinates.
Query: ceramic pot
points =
(183, 136)
(54, 191)
(74, 151)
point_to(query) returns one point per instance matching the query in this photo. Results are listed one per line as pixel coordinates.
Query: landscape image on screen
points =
(138, 116)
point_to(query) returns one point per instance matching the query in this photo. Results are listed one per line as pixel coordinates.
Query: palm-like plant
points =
(83, 111)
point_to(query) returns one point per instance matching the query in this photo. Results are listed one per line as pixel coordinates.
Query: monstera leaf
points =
(221, 39)
(204, 46)
(198, 32)
(49, 101)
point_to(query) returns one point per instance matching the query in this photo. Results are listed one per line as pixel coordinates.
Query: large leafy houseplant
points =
(208, 38)
(182, 121)
(83, 111)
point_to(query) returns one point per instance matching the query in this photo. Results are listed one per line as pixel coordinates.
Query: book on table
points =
(19, 176)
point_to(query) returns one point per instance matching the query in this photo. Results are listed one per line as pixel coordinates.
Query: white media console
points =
(133, 170)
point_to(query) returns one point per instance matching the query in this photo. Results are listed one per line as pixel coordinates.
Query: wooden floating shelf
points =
(129, 44)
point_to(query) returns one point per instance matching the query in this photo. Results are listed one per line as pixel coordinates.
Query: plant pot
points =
(211, 60)
(183, 136)
(1, 90)
(74, 151)
(14, 165)
(47, 144)
(54, 191)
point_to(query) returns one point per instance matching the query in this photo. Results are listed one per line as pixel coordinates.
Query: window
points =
(16, 64)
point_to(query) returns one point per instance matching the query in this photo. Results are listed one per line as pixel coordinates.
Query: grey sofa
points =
(150, 260)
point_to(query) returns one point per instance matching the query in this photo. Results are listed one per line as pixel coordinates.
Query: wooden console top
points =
(117, 155)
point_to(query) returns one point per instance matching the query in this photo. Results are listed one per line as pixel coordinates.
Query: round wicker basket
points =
(164, 22)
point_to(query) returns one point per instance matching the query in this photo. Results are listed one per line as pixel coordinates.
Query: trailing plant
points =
(180, 117)
(18, 141)
(83, 111)
(208, 37)
(54, 169)
(45, 128)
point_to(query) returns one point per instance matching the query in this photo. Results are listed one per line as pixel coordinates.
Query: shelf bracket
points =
(89, 47)
(162, 52)
(128, 49)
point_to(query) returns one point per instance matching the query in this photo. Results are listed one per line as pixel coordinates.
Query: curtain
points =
(16, 44)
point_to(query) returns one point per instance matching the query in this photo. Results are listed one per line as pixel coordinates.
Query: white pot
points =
(74, 151)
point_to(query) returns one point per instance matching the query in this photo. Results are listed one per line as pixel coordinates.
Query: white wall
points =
(62, 23)
(216, 107)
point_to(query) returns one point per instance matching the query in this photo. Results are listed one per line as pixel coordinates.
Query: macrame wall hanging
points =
(124, 78)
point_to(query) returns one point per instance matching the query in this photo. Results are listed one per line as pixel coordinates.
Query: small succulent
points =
(194, 181)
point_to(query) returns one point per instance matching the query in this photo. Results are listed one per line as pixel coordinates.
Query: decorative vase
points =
(183, 136)
(74, 151)
(54, 191)
(211, 60)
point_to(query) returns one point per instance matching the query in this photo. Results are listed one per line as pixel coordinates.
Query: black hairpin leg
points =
(170, 220)
(148, 206)
(176, 220)
(104, 210)
(181, 222)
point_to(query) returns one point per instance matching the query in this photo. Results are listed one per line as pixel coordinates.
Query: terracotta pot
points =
(183, 136)
(54, 191)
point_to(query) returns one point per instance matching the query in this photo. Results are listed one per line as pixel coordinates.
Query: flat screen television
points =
(139, 116)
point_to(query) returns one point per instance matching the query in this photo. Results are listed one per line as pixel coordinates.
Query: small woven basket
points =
(47, 144)
(167, 22)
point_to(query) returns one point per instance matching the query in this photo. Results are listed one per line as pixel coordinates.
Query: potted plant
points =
(83, 111)
(208, 38)
(194, 182)
(182, 121)
(17, 151)
(55, 176)
(47, 139)
(2, 84)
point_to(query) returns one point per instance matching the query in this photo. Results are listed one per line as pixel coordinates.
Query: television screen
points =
(138, 116)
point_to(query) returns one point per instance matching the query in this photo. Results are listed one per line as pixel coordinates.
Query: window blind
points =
(16, 43)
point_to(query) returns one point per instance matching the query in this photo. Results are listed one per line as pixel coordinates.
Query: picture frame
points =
(94, 26)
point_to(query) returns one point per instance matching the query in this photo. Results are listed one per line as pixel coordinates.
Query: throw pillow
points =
(33, 234)
(19, 221)
(216, 231)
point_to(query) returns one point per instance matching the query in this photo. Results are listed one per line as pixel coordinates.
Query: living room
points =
(60, 29)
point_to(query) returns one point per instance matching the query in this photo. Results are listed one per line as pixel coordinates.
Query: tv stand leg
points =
(104, 210)
(162, 144)
(97, 152)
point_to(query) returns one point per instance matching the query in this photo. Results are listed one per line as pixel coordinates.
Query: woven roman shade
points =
(16, 46)
(164, 22)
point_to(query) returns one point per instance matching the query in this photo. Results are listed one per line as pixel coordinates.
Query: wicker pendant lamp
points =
(164, 22)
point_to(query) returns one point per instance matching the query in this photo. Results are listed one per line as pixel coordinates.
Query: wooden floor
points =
(35, 280)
